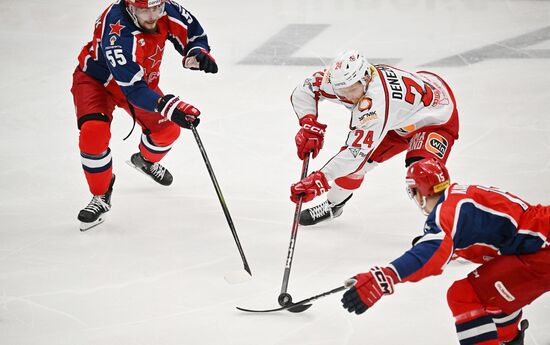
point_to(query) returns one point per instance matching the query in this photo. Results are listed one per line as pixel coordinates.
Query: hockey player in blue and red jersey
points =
(485, 225)
(120, 67)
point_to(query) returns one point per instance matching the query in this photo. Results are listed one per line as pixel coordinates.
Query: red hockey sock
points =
(96, 155)
(155, 146)
(507, 325)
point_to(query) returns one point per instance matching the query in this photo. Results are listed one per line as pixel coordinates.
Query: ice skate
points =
(322, 212)
(155, 171)
(519, 339)
(94, 214)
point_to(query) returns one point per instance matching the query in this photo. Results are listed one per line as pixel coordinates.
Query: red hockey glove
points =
(200, 59)
(369, 288)
(310, 137)
(178, 111)
(310, 187)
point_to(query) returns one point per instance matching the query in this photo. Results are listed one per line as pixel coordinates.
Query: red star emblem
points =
(116, 28)
(156, 57)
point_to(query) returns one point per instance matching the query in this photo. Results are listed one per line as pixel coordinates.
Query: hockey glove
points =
(310, 137)
(200, 59)
(369, 288)
(177, 111)
(310, 187)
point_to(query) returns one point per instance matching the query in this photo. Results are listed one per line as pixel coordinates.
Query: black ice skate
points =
(322, 212)
(94, 214)
(154, 170)
(518, 340)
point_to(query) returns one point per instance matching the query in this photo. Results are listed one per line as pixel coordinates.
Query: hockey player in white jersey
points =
(391, 111)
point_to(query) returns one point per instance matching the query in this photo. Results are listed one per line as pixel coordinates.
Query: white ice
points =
(153, 272)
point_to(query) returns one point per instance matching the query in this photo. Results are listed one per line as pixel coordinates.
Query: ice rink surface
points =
(153, 272)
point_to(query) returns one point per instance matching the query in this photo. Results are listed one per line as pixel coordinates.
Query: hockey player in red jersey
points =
(391, 111)
(120, 67)
(485, 225)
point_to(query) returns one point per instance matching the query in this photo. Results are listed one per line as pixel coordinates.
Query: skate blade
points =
(87, 226)
(141, 171)
(135, 167)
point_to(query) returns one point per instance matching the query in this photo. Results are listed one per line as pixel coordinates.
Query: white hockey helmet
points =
(348, 69)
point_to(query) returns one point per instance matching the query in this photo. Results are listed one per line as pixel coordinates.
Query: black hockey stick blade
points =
(298, 308)
(304, 304)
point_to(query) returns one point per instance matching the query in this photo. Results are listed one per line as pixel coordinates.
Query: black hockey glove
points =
(179, 112)
(200, 59)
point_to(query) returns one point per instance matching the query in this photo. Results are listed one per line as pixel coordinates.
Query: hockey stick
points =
(293, 307)
(220, 196)
(284, 298)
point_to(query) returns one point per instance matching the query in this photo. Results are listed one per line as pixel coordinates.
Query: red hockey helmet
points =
(429, 176)
(145, 3)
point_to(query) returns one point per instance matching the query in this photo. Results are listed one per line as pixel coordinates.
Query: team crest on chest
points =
(156, 57)
(365, 104)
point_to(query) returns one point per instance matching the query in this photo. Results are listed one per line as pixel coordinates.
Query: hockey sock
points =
(337, 195)
(507, 325)
(150, 151)
(154, 146)
(96, 155)
(98, 171)
(478, 331)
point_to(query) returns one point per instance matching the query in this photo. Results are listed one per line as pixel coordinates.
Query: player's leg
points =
(430, 142)
(507, 327)
(342, 188)
(433, 141)
(93, 111)
(490, 300)
(157, 138)
(474, 325)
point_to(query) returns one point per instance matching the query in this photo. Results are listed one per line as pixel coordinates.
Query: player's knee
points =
(94, 137)
(462, 298)
(165, 136)
(173, 133)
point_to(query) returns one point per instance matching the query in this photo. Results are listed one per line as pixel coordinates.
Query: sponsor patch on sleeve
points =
(437, 144)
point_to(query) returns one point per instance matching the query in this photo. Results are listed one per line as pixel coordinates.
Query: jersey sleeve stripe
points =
(194, 38)
(431, 236)
(179, 22)
(532, 233)
(108, 80)
(137, 77)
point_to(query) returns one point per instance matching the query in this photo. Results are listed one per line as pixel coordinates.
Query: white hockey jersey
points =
(395, 100)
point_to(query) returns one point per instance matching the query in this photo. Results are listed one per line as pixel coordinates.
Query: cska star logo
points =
(156, 57)
(116, 28)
